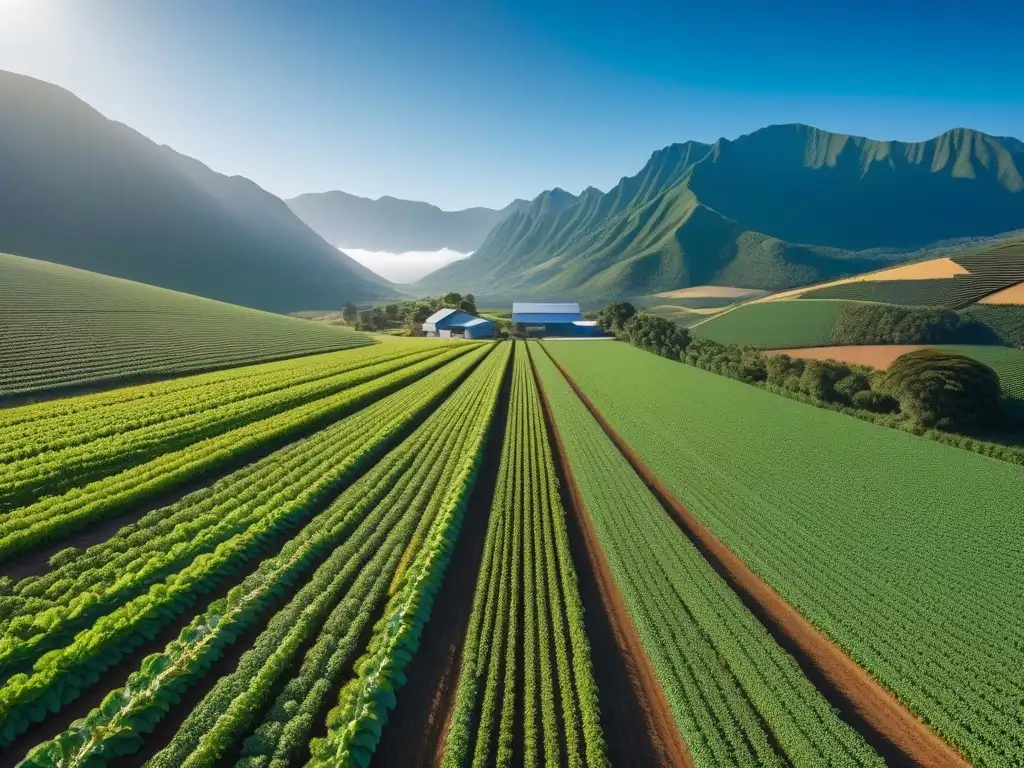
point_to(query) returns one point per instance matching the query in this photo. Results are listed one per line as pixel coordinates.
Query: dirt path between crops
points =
(864, 703)
(414, 734)
(635, 715)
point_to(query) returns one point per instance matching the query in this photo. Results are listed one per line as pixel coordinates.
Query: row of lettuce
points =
(526, 666)
(61, 630)
(122, 471)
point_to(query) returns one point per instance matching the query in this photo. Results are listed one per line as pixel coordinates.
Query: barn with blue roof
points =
(448, 322)
(552, 319)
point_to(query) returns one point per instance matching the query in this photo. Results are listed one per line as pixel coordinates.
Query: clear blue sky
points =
(473, 102)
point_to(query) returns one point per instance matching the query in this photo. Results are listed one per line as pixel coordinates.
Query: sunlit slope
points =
(62, 327)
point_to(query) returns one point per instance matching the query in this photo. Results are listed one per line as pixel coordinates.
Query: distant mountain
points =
(82, 190)
(783, 206)
(396, 226)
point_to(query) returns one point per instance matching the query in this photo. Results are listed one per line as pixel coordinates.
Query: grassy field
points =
(773, 324)
(904, 551)
(696, 631)
(63, 328)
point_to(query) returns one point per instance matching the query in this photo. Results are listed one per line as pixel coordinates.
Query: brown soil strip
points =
(879, 356)
(635, 715)
(881, 719)
(414, 734)
(1012, 295)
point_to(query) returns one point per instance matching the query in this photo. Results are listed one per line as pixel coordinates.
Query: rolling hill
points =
(65, 328)
(783, 206)
(391, 224)
(85, 191)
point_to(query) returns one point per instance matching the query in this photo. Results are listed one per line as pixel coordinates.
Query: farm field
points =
(274, 574)
(66, 328)
(879, 356)
(725, 677)
(525, 667)
(868, 540)
(244, 567)
(982, 273)
(773, 324)
(1006, 321)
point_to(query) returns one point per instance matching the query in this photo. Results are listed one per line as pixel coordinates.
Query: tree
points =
(944, 390)
(613, 318)
(467, 304)
(658, 335)
(350, 312)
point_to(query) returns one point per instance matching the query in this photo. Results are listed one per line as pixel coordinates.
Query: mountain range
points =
(82, 190)
(782, 206)
(394, 225)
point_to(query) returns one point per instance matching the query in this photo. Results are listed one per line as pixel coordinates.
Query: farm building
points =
(446, 323)
(552, 320)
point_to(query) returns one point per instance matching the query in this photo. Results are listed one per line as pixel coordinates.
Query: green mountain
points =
(82, 190)
(390, 224)
(784, 206)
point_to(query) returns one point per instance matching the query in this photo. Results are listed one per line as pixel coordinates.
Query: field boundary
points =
(665, 743)
(864, 703)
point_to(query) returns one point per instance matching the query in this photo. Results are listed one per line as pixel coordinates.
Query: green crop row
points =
(354, 725)
(75, 450)
(905, 552)
(384, 510)
(128, 588)
(55, 425)
(54, 517)
(527, 571)
(737, 697)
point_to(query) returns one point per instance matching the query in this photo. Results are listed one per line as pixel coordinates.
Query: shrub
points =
(944, 390)
(875, 402)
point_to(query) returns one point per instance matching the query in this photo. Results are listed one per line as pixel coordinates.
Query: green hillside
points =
(781, 207)
(62, 327)
(1006, 321)
(773, 324)
(82, 190)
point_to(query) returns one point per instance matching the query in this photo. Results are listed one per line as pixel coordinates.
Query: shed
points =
(552, 319)
(449, 321)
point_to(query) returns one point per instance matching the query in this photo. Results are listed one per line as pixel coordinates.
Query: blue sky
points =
(475, 103)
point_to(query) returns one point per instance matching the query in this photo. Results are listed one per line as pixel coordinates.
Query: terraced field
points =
(63, 328)
(989, 271)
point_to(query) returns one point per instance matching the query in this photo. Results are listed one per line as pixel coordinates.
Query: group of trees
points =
(932, 389)
(405, 314)
(863, 323)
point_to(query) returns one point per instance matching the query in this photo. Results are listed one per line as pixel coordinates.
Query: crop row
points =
(55, 517)
(903, 551)
(71, 453)
(312, 639)
(354, 725)
(738, 698)
(57, 424)
(527, 619)
(87, 614)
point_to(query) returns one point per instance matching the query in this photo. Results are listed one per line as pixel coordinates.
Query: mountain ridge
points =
(781, 206)
(89, 192)
(396, 225)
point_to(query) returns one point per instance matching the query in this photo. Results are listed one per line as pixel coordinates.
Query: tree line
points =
(929, 389)
(405, 314)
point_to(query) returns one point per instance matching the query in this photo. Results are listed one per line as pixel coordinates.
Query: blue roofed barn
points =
(552, 319)
(446, 323)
